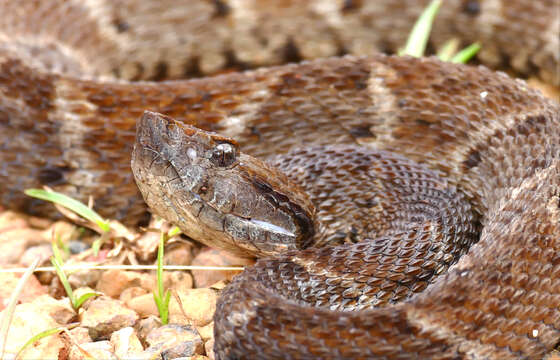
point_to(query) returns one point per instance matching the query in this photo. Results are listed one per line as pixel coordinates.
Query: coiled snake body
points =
(446, 155)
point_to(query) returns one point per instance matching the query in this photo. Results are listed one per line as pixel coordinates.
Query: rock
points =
(56, 289)
(80, 335)
(93, 350)
(60, 310)
(60, 231)
(132, 292)
(31, 319)
(548, 90)
(113, 282)
(209, 348)
(178, 253)
(10, 220)
(46, 277)
(145, 247)
(8, 283)
(198, 305)
(104, 315)
(13, 243)
(37, 222)
(173, 341)
(103, 256)
(177, 280)
(126, 343)
(43, 251)
(16, 235)
(206, 332)
(215, 257)
(220, 285)
(144, 305)
(86, 277)
(50, 347)
(145, 326)
(77, 246)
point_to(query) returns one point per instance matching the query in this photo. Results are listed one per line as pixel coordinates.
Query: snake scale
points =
(443, 244)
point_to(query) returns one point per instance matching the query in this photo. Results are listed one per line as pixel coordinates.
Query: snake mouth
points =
(271, 227)
(247, 232)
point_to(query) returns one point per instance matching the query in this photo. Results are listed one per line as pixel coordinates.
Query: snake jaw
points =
(216, 194)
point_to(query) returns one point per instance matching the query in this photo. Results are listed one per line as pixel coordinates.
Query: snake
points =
(403, 208)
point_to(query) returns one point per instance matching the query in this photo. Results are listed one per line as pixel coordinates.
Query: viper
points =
(406, 207)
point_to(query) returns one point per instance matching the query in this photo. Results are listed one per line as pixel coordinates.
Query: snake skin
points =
(494, 139)
(66, 121)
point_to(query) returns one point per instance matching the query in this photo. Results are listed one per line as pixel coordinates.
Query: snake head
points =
(216, 194)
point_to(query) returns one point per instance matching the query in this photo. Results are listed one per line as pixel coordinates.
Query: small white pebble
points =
(191, 153)
(535, 333)
(483, 94)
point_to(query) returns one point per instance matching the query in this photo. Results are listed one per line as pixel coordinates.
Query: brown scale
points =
(96, 144)
(117, 40)
(125, 38)
(499, 300)
(414, 215)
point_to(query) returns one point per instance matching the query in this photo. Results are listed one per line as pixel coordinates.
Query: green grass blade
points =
(160, 265)
(71, 204)
(162, 304)
(157, 301)
(162, 308)
(37, 337)
(161, 297)
(10, 309)
(466, 54)
(96, 246)
(174, 231)
(418, 38)
(64, 281)
(448, 49)
(56, 261)
(84, 298)
(165, 314)
(57, 254)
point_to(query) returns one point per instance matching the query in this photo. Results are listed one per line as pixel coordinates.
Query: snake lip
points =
(262, 224)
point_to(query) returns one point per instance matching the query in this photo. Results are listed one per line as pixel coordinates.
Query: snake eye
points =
(223, 154)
